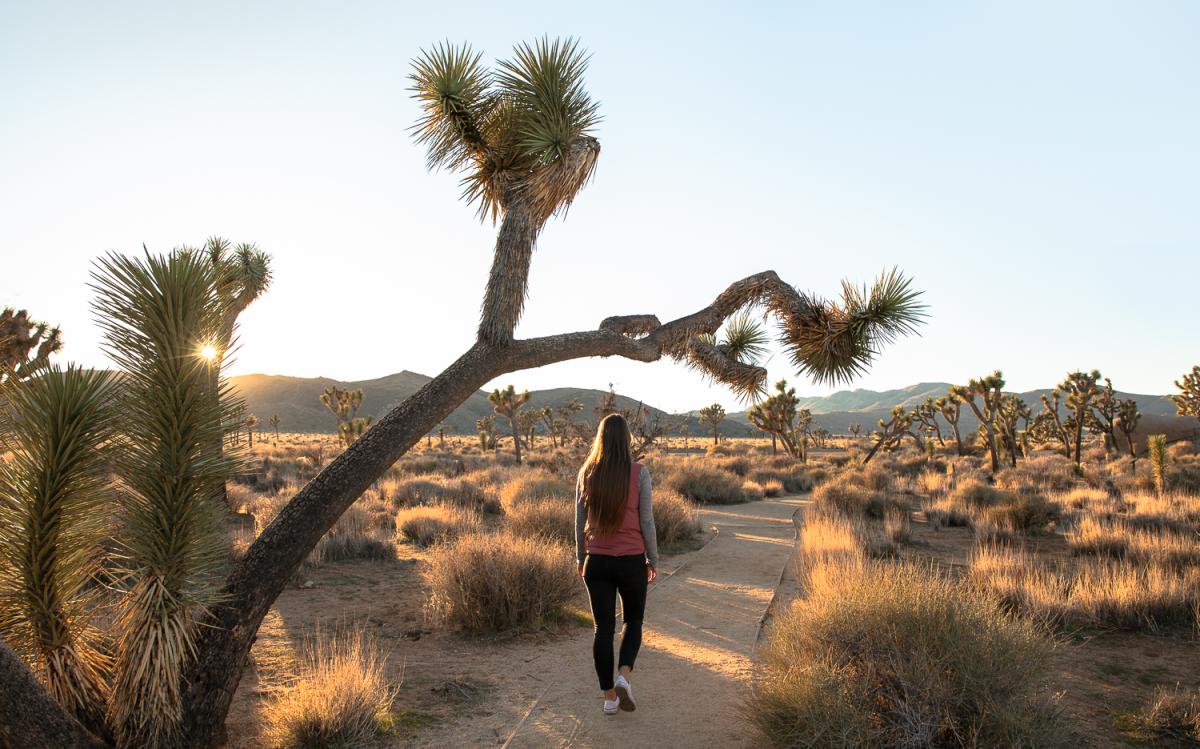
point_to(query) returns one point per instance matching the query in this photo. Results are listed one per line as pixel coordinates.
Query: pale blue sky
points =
(1033, 165)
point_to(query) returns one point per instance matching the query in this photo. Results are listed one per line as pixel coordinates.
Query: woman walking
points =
(617, 552)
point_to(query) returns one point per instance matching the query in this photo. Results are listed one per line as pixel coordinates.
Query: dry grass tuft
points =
(895, 655)
(497, 582)
(549, 517)
(425, 526)
(340, 698)
(676, 521)
(531, 486)
(1172, 714)
(1093, 593)
(698, 481)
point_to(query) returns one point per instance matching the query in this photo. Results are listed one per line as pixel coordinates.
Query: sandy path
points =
(694, 666)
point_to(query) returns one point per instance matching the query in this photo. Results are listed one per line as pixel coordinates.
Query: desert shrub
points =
(1124, 596)
(1171, 714)
(977, 495)
(531, 485)
(675, 519)
(458, 492)
(497, 582)
(353, 536)
(1046, 472)
(1023, 512)
(721, 448)
(449, 466)
(828, 536)
(698, 482)
(852, 500)
(1095, 593)
(753, 490)
(425, 526)
(894, 655)
(897, 525)
(813, 477)
(339, 699)
(1117, 538)
(791, 478)
(739, 466)
(552, 518)
(874, 478)
(773, 488)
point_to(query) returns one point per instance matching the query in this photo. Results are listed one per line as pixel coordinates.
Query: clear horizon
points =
(1032, 167)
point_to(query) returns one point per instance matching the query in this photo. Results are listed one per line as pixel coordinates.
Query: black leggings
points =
(604, 577)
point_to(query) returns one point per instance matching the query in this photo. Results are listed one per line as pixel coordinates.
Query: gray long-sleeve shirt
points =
(645, 516)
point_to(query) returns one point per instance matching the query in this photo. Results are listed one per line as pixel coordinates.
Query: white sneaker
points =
(625, 694)
(611, 706)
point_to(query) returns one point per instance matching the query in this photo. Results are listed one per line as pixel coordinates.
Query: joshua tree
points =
(350, 431)
(1012, 412)
(926, 415)
(1127, 421)
(1048, 425)
(1103, 416)
(441, 432)
(344, 405)
(951, 408)
(820, 436)
(1080, 389)
(527, 421)
(1157, 446)
(274, 422)
(1187, 403)
(892, 431)
(508, 403)
(644, 429)
(251, 423)
(522, 135)
(487, 432)
(713, 416)
(855, 429)
(989, 392)
(25, 345)
(776, 415)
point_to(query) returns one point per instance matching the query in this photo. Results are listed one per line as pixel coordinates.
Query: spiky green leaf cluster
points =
(524, 128)
(156, 314)
(835, 342)
(54, 496)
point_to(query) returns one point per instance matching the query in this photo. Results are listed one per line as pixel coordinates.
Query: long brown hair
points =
(605, 476)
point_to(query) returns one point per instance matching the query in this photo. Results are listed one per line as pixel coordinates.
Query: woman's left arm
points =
(646, 516)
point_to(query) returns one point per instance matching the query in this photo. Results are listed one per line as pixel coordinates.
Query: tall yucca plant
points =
(158, 315)
(53, 495)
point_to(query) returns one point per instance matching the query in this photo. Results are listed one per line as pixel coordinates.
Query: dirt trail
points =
(694, 666)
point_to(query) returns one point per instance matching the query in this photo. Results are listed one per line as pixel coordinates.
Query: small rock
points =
(308, 585)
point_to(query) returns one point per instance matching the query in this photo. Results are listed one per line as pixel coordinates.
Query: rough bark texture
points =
(508, 280)
(29, 716)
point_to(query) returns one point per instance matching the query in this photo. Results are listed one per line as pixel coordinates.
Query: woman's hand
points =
(651, 574)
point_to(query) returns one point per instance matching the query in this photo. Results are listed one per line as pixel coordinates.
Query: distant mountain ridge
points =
(296, 400)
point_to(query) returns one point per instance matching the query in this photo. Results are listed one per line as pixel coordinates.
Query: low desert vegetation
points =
(425, 526)
(339, 698)
(492, 582)
(895, 655)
